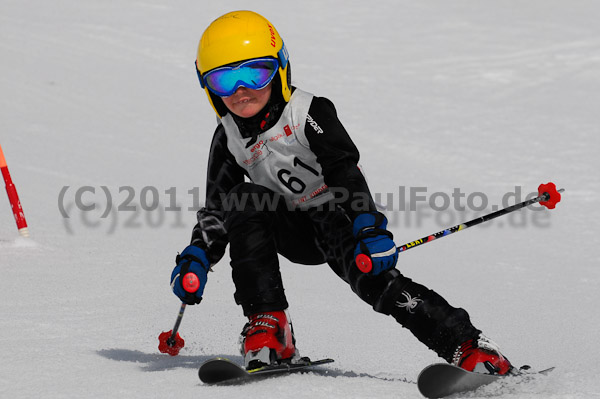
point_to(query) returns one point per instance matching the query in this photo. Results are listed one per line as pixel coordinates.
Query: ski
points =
(221, 370)
(441, 380)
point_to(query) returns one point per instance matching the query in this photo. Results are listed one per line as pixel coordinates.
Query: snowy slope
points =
(480, 96)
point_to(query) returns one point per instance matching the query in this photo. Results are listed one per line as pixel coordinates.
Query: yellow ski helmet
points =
(239, 36)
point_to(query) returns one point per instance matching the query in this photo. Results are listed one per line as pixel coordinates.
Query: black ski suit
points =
(306, 234)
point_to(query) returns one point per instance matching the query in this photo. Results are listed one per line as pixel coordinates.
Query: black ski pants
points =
(261, 226)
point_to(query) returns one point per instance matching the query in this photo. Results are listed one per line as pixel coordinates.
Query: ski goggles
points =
(254, 74)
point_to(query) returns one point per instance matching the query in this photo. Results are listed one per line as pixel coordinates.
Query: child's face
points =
(246, 103)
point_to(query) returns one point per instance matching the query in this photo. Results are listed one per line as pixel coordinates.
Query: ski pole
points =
(170, 341)
(548, 196)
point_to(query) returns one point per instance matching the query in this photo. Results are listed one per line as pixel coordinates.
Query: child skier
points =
(306, 200)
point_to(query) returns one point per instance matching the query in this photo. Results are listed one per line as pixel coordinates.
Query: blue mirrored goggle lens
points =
(254, 74)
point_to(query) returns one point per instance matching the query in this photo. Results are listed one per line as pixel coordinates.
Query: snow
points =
(480, 96)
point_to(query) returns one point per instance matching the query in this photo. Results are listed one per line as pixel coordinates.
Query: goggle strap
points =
(283, 55)
(199, 75)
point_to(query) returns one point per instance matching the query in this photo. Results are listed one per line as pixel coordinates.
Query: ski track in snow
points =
(478, 96)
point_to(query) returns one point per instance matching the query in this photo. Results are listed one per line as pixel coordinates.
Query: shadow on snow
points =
(159, 361)
(162, 362)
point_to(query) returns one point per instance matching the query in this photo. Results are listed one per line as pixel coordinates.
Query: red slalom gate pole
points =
(13, 197)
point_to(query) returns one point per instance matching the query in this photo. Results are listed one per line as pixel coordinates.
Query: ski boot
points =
(481, 355)
(268, 338)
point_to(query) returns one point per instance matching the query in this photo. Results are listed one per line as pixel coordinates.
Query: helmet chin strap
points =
(262, 121)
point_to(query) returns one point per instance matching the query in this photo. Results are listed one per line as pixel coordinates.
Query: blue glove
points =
(374, 241)
(192, 260)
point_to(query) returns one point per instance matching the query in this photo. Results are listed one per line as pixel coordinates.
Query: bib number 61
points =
(293, 183)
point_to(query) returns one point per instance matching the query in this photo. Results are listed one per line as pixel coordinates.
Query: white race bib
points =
(281, 159)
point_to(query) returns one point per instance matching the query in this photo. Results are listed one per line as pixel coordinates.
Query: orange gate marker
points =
(13, 197)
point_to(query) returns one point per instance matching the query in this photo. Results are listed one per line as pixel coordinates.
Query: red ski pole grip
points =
(364, 263)
(190, 283)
